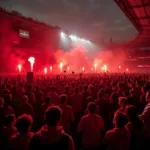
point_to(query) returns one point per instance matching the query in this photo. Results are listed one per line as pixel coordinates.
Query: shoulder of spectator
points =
(145, 113)
(70, 143)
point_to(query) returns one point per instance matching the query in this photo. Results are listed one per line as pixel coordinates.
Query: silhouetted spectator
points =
(25, 107)
(118, 138)
(67, 117)
(91, 127)
(20, 141)
(122, 103)
(51, 136)
(135, 127)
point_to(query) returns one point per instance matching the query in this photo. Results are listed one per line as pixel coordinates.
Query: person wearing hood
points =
(51, 136)
(118, 138)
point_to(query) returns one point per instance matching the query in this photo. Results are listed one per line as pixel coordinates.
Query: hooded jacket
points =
(51, 138)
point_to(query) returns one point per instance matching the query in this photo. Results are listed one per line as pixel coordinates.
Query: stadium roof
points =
(138, 12)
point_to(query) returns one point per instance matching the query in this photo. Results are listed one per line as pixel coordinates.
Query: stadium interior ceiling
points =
(137, 49)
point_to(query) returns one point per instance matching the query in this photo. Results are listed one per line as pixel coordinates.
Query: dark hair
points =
(100, 94)
(41, 94)
(7, 99)
(126, 93)
(29, 87)
(21, 84)
(90, 99)
(53, 115)
(9, 119)
(47, 99)
(66, 88)
(85, 87)
(53, 88)
(114, 98)
(76, 90)
(123, 100)
(133, 117)
(63, 98)
(92, 88)
(121, 119)
(24, 122)
(91, 107)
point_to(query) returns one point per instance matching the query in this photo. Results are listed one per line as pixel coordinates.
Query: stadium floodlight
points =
(73, 37)
(63, 34)
(83, 40)
(89, 42)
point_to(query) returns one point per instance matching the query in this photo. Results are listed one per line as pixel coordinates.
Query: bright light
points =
(95, 67)
(105, 68)
(83, 69)
(63, 34)
(68, 68)
(73, 37)
(119, 67)
(61, 66)
(31, 60)
(127, 69)
(51, 68)
(45, 70)
(19, 68)
(83, 39)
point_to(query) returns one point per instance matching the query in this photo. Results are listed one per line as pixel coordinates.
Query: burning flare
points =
(31, 60)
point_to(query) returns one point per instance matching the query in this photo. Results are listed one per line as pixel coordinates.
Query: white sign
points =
(24, 34)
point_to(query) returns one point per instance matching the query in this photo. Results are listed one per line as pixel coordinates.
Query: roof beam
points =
(140, 18)
(124, 8)
(139, 6)
(146, 12)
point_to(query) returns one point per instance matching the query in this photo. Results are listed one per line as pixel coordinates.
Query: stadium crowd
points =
(91, 112)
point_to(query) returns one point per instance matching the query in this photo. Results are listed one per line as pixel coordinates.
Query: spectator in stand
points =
(20, 141)
(91, 128)
(9, 128)
(135, 126)
(7, 109)
(143, 99)
(104, 107)
(47, 103)
(145, 117)
(122, 103)
(54, 96)
(1, 119)
(51, 136)
(37, 92)
(92, 92)
(114, 102)
(76, 102)
(20, 92)
(118, 138)
(39, 100)
(120, 90)
(31, 96)
(97, 110)
(85, 94)
(67, 117)
(25, 107)
(132, 98)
